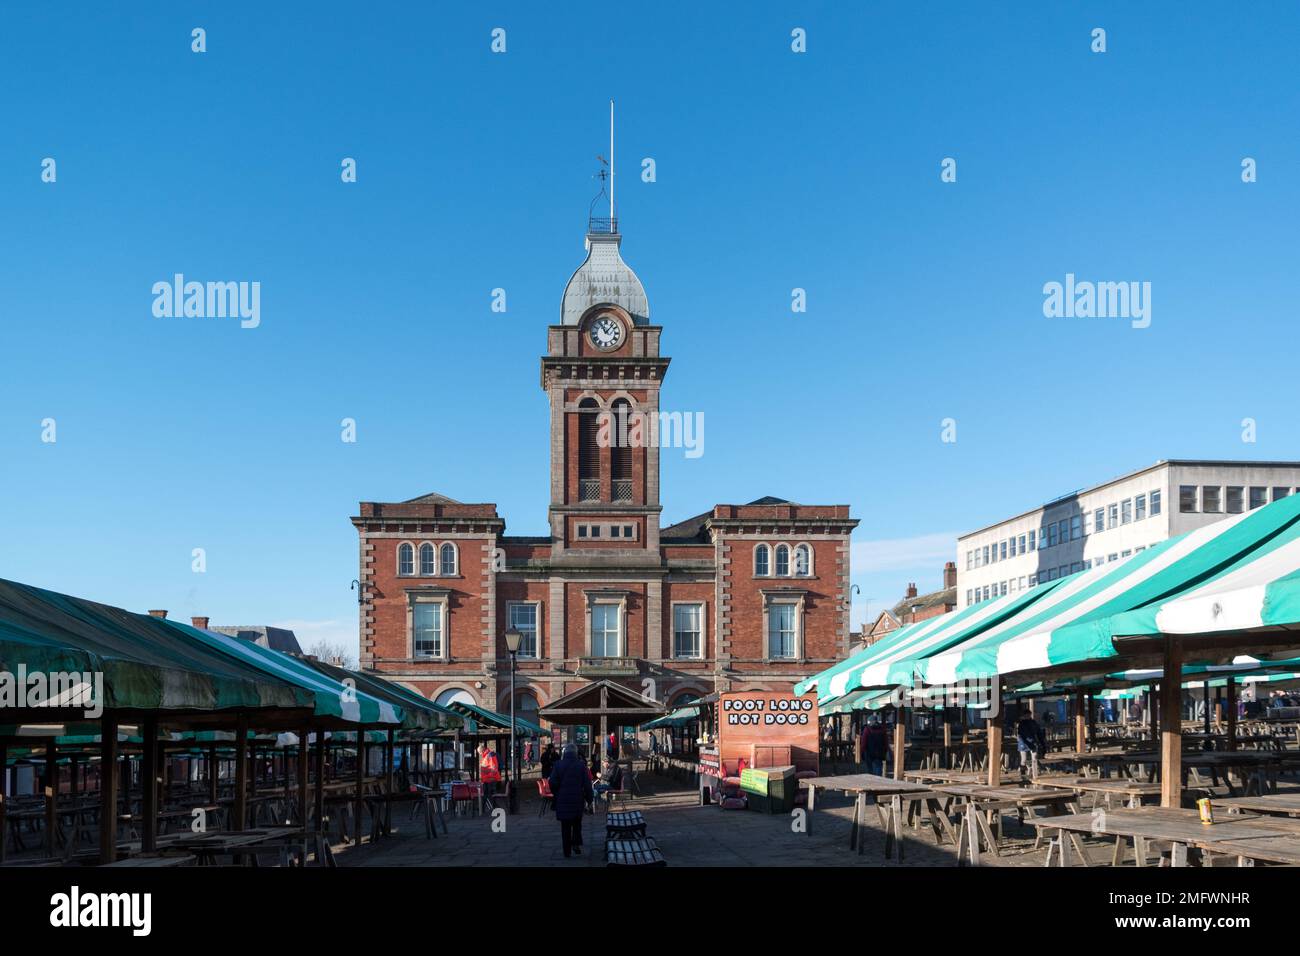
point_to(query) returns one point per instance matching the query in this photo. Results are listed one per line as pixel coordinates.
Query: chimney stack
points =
(911, 590)
(162, 614)
(200, 622)
(950, 574)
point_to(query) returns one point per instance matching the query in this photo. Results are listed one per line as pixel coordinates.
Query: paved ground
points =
(687, 834)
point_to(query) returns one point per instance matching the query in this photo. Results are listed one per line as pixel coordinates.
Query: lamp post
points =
(513, 637)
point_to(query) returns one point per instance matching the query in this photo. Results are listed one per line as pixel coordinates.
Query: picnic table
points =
(1276, 804)
(1132, 792)
(1179, 828)
(237, 844)
(981, 808)
(862, 786)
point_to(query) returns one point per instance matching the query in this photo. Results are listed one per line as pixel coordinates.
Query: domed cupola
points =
(604, 278)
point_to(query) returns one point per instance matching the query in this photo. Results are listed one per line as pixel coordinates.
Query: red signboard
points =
(767, 729)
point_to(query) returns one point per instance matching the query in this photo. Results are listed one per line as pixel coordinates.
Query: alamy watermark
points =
(624, 427)
(53, 689)
(1102, 300)
(208, 300)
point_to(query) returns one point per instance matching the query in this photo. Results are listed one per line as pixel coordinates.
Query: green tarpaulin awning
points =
(493, 719)
(145, 663)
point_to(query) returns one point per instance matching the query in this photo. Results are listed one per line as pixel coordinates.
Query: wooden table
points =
(981, 818)
(1180, 828)
(1133, 792)
(862, 786)
(1276, 804)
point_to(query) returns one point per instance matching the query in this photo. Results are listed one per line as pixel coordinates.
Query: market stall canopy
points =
(1075, 623)
(1259, 589)
(419, 713)
(820, 680)
(586, 705)
(491, 718)
(145, 662)
(890, 663)
(330, 698)
(678, 718)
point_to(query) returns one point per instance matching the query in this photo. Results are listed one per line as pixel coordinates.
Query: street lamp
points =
(513, 637)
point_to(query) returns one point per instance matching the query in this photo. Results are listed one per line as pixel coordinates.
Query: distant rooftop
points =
(274, 638)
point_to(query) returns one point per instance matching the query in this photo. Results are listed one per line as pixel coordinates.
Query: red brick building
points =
(738, 597)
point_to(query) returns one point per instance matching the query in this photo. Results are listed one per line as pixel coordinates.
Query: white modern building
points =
(1113, 520)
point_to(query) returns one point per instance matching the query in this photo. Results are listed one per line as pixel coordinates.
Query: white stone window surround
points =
(792, 563)
(703, 629)
(441, 596)
(788, 596)
(538, 637)
(606, 597)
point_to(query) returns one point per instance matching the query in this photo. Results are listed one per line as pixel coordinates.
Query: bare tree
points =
(333, 653)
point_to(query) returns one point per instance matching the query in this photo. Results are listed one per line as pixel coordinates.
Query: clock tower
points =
(602, 373)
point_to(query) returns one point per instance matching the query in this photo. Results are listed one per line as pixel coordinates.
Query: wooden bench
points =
(642, 852)
(624, 825)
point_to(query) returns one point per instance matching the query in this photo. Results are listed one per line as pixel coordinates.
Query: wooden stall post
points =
(388, 796)
(240, 812)
(900, 751)
(51, 797)
(947, 736)
(108, 788)
(149, 785)
(1232, 713)
(361, 786)
(1171, 737)
(1080, 723)
(4, 792)
(303, 776)
(214, 774)
(994, 728)
(320, 780)
(1206, 692)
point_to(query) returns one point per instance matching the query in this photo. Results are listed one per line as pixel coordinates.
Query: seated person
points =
(611, 779)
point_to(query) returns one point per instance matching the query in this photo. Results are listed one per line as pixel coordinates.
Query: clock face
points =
(606, 333)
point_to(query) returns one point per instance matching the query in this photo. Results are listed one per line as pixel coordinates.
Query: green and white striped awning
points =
(891, 664)
(1261, 588)
(1076, 621)
(821, 679)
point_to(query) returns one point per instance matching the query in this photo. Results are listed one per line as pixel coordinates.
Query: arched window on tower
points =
(447, 559)
(802, 561)
(782, 560)
(761, 566)
(588, 450)
(405, 559)
(620, 452)
(427, 565)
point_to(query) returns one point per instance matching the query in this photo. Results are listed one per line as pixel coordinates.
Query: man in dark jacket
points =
(875, 745)
(549, 757)
(1029, 740)
(570, 793)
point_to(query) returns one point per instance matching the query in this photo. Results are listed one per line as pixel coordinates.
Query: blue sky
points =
(775, 170)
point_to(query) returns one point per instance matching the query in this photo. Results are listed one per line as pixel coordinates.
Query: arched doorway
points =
(455, 695)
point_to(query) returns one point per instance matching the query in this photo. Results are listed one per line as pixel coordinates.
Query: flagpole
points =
(611, 164)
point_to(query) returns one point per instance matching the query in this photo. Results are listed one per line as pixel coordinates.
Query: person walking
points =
(570, 793)
(1029, 737)
(875, 745)
(549, 758)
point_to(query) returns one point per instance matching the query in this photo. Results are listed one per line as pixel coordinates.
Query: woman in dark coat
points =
(570, 792)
